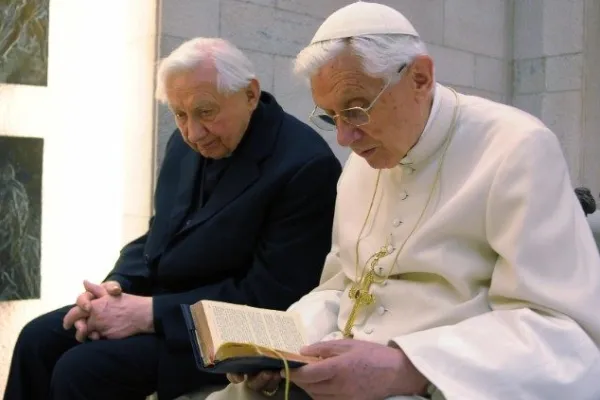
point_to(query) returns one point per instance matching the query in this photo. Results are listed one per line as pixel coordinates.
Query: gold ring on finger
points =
(269, 393)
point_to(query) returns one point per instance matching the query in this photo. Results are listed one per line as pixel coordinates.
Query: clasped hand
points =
(104, 311)
(349, 369)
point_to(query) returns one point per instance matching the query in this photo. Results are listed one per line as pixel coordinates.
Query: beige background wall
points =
(96, 116)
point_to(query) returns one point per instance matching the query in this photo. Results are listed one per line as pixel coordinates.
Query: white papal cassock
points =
(496, 294)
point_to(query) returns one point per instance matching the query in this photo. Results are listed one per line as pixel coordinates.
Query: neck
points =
(425, 113)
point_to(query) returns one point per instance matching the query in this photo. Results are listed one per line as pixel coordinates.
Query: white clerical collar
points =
(436, 128)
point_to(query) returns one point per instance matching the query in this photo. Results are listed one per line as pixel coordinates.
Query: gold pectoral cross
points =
(360, 291)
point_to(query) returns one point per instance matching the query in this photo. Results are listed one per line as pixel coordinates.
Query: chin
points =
(215, 154)
(380, 162)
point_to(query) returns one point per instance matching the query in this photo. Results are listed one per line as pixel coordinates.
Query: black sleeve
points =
(288, 258)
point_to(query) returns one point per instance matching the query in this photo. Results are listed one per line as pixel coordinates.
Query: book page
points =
(242, 324)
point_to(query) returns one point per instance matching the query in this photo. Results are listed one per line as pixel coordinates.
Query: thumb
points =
(326, 349)
(97, 290)
(112, 287)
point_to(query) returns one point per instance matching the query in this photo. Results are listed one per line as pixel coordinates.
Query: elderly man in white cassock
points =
(462, 265)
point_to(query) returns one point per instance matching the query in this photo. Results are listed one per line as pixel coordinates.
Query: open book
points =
(231, 338)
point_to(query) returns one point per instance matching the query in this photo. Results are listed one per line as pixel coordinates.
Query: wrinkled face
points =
(210, 122)
(397, 118)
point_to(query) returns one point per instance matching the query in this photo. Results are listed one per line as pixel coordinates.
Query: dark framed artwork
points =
(24, 41)
(21, 164)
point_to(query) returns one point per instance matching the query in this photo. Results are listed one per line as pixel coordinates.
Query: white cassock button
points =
(404, 195)
(383, 283)
(381, 310)
(368, 330)
(396, 222)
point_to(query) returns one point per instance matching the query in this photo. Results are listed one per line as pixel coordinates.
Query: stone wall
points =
(556, 74)
(470, 40)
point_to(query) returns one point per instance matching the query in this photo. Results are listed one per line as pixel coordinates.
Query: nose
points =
(195, 131)
(347, 133)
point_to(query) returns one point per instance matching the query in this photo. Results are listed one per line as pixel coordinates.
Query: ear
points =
(253, 93)
(421, 75)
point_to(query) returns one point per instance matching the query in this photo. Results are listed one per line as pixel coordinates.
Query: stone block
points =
(269, 3)
(263, 65)
(318, 9)
(530, 103)
(528, 29)
(165, 125)
(491, 74)
(486, 94)
(591, 100)
(427, 16)
(563, 27)
(189, 18)
(168, 43)
(529, 76)
(294, 96)
(292, 92)
(478, 26)
(564, 72)
(266, 29)
(453, 67)
(561, 112)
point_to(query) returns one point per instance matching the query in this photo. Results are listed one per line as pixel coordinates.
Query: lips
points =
(207, 145)
(368, 152)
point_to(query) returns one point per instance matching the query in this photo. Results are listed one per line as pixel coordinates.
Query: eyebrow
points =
(353, 99)
(346, 103)
(204, 104)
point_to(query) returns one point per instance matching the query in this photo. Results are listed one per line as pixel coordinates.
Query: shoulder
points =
(501, 129)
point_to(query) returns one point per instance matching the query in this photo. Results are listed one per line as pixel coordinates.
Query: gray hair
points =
(234, 69)
(381, 55)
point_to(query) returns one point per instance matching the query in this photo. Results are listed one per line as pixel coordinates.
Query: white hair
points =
(382, 55)
(234, 69)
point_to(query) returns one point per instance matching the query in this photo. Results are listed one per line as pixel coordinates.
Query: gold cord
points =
(436, 180)
(359, 291)
(286, 368)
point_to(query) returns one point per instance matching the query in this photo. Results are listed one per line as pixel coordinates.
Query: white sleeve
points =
(319, 309)
(541, 339)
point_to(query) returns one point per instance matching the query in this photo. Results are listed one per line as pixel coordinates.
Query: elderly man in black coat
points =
(243, 212)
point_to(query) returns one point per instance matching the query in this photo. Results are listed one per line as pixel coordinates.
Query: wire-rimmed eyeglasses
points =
(356, 116)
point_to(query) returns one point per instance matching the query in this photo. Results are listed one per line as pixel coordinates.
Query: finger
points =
(235, 378)
(97, 290)
(84, 301)
(260, 381)
(73, 315)
(82, 330)
(112, 287)
(328, 349)
(81, 327)
(94, 336)
(314, 372)
(273, 383)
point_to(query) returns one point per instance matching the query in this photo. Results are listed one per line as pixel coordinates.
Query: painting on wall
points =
(24, 42)
(20, 217)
